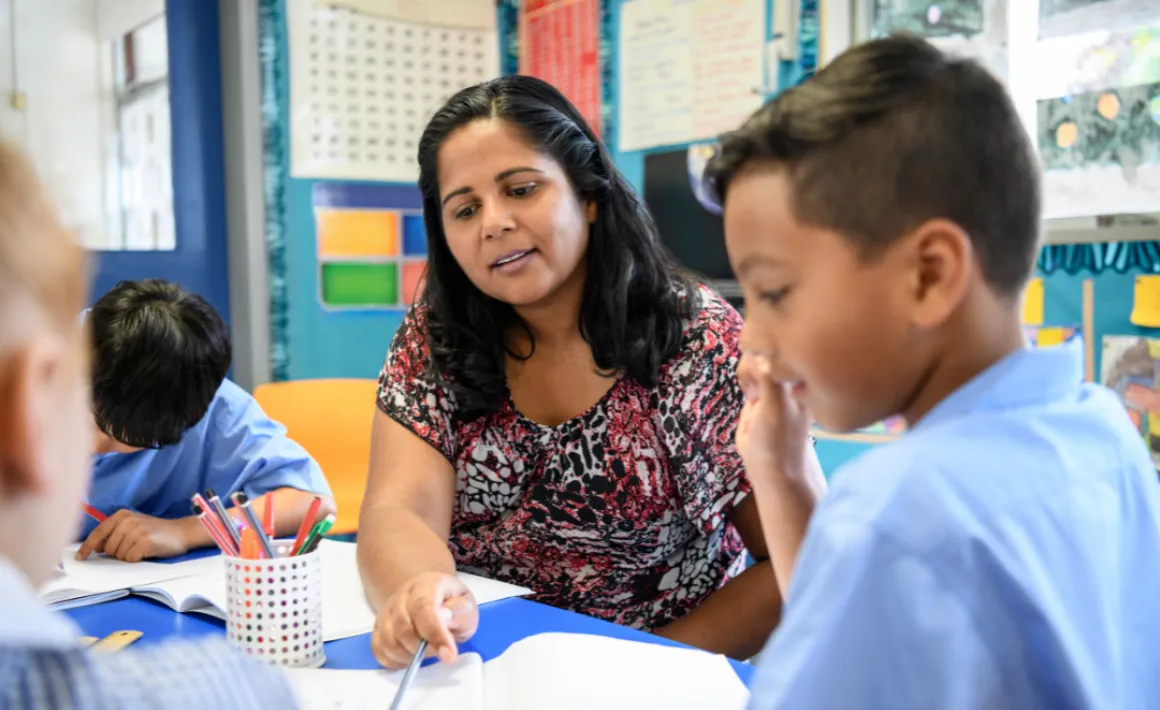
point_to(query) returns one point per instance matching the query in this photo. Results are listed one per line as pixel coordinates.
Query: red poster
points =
(560, 43)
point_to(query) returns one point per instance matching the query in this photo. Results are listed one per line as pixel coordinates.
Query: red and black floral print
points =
(620, 512)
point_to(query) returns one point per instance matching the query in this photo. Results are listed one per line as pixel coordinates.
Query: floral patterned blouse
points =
(620, 512)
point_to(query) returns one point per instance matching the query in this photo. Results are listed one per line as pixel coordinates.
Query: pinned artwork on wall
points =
(1131, 368)
(371, 246)
(1098, 121)
(968, 28)
(1069, 17)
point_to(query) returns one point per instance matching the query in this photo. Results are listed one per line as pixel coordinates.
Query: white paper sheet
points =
(436, 687)
(558, 671)
(690, 69)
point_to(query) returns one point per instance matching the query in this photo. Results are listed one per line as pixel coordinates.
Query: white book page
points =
(436, 687)
(578, 672)
(100, 573)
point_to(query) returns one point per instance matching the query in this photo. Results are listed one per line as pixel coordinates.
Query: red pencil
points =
(212, 520)
(307, 523)
(94, 513)
(268, 516)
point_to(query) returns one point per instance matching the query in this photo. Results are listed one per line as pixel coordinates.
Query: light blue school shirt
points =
(1003, 554)
(235, 447)
(43, 668)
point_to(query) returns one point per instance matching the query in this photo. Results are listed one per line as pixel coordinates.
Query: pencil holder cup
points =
(274, 609)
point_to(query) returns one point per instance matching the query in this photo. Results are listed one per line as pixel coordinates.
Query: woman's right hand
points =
(432, 606)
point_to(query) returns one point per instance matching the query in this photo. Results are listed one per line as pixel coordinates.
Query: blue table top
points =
(501, 624)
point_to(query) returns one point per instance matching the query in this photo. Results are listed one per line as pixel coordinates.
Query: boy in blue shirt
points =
(168, 425)
(43, 470)
(882, 218)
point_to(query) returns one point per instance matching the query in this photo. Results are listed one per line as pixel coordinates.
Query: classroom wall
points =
(352, 344)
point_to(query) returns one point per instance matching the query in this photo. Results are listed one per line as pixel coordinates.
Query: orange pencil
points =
(307, 522)
(251, 548)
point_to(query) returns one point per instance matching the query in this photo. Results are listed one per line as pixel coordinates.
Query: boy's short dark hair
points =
(891, 134)
(159, 355)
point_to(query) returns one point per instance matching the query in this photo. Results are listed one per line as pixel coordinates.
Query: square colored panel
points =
(357, 233)
(413, 272)
(414, 235)
(347, 284)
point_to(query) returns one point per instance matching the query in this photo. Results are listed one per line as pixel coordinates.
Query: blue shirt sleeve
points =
(868, 625)
(249, 452)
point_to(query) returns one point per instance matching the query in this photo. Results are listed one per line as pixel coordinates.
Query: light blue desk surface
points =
(501, 624)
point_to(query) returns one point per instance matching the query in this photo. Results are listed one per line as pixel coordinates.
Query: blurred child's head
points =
(44, 442)
(160, 354)
(879, 217)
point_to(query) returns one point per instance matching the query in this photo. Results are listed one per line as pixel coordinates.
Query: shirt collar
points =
(1031, 376)
(24, 620)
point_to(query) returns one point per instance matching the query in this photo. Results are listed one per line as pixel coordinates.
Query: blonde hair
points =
(40, 262)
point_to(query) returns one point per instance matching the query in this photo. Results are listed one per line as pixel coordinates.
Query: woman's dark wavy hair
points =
(634, 300)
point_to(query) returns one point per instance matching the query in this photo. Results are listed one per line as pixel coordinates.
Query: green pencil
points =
(320, 528)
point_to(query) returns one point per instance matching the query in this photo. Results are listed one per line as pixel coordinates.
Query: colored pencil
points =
(220, 511)
(307, 523)
(316, 534)
(243, 502)
(268, 515)
(94, 513)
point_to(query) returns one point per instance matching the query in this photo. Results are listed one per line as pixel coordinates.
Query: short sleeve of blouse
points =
(700, 405)
(408, 395)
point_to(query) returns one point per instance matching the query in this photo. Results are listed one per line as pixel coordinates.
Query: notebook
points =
(100, 578)
(200, 587)
(553, 670)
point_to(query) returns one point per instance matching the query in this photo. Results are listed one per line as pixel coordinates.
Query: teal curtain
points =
(1120, 257)
(275, 143)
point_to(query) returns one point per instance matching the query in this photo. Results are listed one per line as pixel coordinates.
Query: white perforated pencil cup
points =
(274, 609)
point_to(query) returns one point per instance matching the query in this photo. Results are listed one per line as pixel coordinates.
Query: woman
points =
(559, 409)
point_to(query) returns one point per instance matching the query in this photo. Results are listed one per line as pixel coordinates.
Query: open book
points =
(200, 586)
(101, 578)
(558, 671)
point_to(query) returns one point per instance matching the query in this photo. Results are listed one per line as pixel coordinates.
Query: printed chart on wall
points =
(371, 246)
(1098, 117)
(366, 75)
(1131, 368)
(560, 43)
(668, 98)
(967, 28)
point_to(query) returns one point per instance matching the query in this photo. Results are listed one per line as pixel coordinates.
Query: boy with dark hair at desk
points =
(44, 427)
(169, 424)
(883, 219)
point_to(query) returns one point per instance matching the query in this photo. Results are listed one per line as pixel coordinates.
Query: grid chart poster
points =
(364, 82)
(690, 69)
(371, 246)
(560, 43)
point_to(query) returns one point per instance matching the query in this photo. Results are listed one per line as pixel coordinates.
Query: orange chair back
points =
(331, 419)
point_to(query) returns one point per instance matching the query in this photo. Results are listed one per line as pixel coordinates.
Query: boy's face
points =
(837, 327)
(45, 462)
(105, 444)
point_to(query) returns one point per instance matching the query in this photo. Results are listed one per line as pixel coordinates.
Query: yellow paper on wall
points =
(1033, 303)
(1146, 304)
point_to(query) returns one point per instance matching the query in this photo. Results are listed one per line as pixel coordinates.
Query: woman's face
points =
(513, 220)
